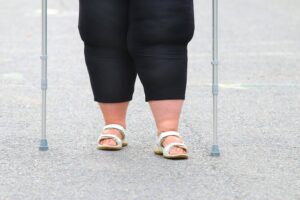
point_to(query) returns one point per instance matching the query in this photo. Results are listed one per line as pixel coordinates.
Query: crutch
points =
(215, 147)
(43, 142)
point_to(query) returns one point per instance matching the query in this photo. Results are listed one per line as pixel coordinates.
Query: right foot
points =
(109, 141)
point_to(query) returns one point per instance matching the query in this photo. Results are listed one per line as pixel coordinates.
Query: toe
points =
(108, 142)
(111, 142)
(177, 150)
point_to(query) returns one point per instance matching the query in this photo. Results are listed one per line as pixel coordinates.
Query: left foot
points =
(109, 141)
(174, 150)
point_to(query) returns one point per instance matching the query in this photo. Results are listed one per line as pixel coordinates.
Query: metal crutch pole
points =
(43, 142)
(215, 147)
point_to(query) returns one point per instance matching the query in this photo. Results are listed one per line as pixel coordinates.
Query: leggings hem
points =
(164, 98)
(166, 94)
(102, 100)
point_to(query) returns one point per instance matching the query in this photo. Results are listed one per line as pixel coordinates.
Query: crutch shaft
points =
(43, 142)
(215, 86)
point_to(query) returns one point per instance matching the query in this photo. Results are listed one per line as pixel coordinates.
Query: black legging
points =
(123, 38)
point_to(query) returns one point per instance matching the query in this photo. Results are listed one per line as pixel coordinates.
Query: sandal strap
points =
(167, 148)
(122, 130)
(164, 134)
(110, 136)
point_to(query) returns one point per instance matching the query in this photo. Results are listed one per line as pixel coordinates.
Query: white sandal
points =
(120, 142)
(160, 150)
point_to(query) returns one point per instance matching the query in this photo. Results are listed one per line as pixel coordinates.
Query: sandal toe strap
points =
(110, 136)
(167, 148)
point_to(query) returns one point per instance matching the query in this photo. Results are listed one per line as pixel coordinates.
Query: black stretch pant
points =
(126, 38)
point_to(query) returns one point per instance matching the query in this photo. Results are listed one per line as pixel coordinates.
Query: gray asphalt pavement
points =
(259, 111)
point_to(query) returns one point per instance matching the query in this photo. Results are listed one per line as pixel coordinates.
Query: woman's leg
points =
(158, 36)
(167, 114)
(103, 28)
(113, 113)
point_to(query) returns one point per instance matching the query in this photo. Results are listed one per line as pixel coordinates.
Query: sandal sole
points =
(105, 147)
(177, 156)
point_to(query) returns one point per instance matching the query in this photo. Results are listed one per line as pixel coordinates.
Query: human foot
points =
(174, 150)
(170, 144)
(109, 141)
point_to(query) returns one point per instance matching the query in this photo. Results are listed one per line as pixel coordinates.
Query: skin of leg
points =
(113, 113)
(167, 114)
